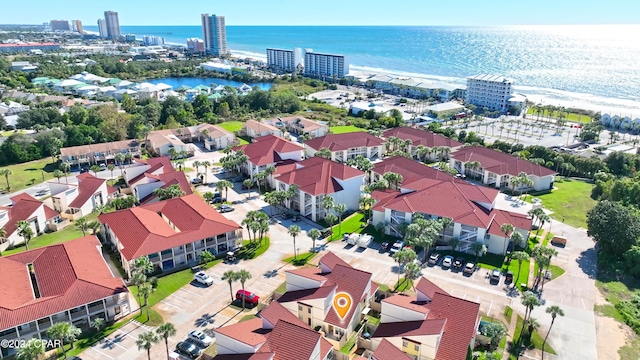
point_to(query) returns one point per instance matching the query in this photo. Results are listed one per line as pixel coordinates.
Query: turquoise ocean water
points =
(595, 64)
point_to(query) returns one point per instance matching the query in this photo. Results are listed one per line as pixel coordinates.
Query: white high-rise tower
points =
(214, 33)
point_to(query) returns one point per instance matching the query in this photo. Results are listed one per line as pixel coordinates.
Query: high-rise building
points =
(490, 91)
(214, 32)
(325, 66)
(113, 24)
(77, 26)
(59, 25)
(102, 28)
(285, 60)
(153, 40)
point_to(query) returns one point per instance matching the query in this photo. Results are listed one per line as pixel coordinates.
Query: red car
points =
(249, 297)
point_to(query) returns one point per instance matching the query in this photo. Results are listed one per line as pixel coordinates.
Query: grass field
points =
(524, 272)
(345, 129)
(301, 259)
(253, 250)
(536, 339)
(69, 233)
(568, 116)
(232, 125)
(569, 201)
(349, 225)
(403, 284)
(27, 174)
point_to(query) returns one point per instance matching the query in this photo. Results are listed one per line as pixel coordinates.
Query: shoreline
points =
(544, 96)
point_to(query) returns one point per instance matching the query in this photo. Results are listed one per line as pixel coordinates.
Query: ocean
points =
(589, 66)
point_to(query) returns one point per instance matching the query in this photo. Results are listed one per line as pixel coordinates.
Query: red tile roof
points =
(111, 190)
(275, 312)
(307, 294)
(330, 260)
(292, 342)
(266, 149)
(386, 351)
(142, 231)
(411, 328)
(338, 142)
(248, 332)
(23, 208)
(428, 288)
(309, 273)
(258, 356)
(499, 162)
(353, 282)
(154, 164)
(69, 275)
(318, 176)
(421, 137)
(519, 221)
(460, 329)
(407, 302)
(410, 170)
(87, 187)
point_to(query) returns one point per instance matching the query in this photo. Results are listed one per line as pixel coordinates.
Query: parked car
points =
(469, 268)
(447, 261)
(296, 218)
(434, 259)
(224, 208)
(510, 247)
(458, 263)
(384, 246)
(84, 170)
(547, 275)
(103, 167)
(397, 246)
(353, 239)
(196, 180)
(364, 241)
(249, 297)
(203, 278)
(189, 349)
(508, 278)
(218, 199)
(200, 338)
(495, 275)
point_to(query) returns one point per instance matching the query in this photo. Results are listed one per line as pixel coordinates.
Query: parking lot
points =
(119, 345)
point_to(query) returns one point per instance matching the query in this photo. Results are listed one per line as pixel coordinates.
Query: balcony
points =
(79, 315)
(95, 308)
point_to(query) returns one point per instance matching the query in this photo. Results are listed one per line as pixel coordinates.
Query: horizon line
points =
(368, 25)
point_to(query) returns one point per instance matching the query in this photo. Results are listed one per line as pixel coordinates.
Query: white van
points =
(353, 239)
(365, 241)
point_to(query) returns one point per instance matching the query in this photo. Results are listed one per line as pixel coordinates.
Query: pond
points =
(176, 82)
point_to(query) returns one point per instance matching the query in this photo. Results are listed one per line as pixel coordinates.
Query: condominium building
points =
(489, 91)
(113, 24)
(102, 28)
(325, 65)
(285, 60)
(214, 33)
(77, 26)
(153, 40)
(59, 25)
(195, 45)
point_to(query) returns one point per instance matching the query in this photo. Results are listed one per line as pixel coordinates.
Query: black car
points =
(458, 263)
(434, 259)
(508, 279)
(84, 170)
(218, 200)
(189, 349)
(385, 246)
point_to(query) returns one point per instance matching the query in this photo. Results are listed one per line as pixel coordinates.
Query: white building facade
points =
(214, 33)
(325, 65)
(490, 91)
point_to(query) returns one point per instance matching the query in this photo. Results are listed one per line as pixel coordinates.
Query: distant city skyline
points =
(338, 12)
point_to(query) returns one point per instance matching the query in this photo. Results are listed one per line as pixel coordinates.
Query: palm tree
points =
(145, 290)
(6, 173)
(479, 249)
(31, 350)
(142, 265)
(206, 164)
(393, 178)
(166, 331)
(196, 164)
(25, 230)
(145, 341)
(323, 153)
(63, 331)
(314, 234)
(83, 225)
(328, 203)
(111, 167)
(94, 225)
(243, 276)
(445, 222)
(171, 192)
(206, 257)
(95, 169)
(454, 243)
(248, 183)
(507, 229)
(331, 219)
(532, 326)
(3, 236)
(294, 230)
(340, 209)
(208, 196)
(98, 324)
(119, 158)
(412, 271)
(529, 300)
(65, 167)
(520, 256)
(555, 311)
(403, 257)
(259, 178)
(271, 198)
(230, 276)
(224, 185)
(58, 174)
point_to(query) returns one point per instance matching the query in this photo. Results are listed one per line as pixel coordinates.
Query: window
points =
(309, 310)
(405, 343)
(300, 307)
(416, 347)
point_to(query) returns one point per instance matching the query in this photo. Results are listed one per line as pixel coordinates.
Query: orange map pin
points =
(342, 304)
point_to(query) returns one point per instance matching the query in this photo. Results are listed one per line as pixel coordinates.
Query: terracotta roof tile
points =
(309, 273)
(337, 142)
(421, 137)
(353, 282)
(410, 170)
(87, 187)
(411, 328)
(68, 275)
(330, 260)
(519, 221)
(142, 231)
(386, 351)
(462, 319)
(248, 332)
(292, 342)
(23, 207)
(499, 162)
(101, 147)
(304, 123)
(428, 288)
(266, 149)
(407, 302)
(307, 294)
(275, 312)
(318, 176)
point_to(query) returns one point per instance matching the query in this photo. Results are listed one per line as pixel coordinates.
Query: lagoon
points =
(176, 82)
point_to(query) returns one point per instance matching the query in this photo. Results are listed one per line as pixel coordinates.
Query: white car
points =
(447, 262)
(203, 278)
(200, 338)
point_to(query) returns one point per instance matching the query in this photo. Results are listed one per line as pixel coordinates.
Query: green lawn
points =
(403, 284)
(345, 129)
(346, 348)
(281, 289)
(232, 125)
(27, 174)
(547, 238)
(568, 116)
(570, 201)
(373, 320)
(253, 250)
(508, 313)
(301, 259)
(8, 133)
(69, 233)
(524, 272)
(349, 225)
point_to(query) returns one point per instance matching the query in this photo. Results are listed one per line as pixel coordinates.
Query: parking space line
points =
(181, 298)
(190, 292)
(100, 352)
(490, 305)
(111, 342)
(127, 334)
(168, 303)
